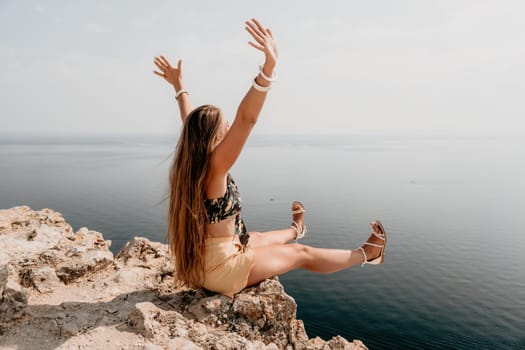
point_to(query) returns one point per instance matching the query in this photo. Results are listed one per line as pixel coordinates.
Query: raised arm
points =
(227, 152)
(173, 75)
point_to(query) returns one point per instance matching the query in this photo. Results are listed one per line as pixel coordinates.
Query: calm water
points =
(454, 209)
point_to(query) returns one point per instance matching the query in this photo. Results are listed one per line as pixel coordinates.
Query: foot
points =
(373, 252)
(298, 220)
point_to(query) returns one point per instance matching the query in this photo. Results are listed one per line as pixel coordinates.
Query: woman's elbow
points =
(248, 118)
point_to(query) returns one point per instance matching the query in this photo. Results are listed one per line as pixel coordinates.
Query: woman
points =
(206, 234)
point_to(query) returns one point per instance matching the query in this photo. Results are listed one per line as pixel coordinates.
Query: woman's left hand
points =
(264, 40)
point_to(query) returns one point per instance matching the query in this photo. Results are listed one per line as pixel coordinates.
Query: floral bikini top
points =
(221, 208)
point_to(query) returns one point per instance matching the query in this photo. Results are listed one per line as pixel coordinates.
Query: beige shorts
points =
(226, 266)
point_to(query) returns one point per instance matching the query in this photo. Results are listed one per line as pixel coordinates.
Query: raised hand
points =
(264, 40)
(172, 75)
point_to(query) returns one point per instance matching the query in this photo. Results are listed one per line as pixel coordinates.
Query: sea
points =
(453, 207)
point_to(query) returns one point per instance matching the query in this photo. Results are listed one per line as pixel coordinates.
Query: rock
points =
(142, 318)
(179, 343)
(149, 346)
(340, 343)
(316, 344)
(140, 251)
(70, 327)
(4, 274)
(44, 279)
(31, 236)
(215, 306)
(38, 263)
(67, 284)
(298, 335)
(146, 263)
(5, 223)
(13, 298)
(83, 264)
(268, 309)
(128, 276)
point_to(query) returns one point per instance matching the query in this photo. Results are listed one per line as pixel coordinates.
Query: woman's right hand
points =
(172, 75)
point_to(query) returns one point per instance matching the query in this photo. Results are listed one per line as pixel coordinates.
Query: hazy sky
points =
(455, 67)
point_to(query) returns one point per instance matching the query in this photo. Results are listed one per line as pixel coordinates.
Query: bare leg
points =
(272, 260)
(280, 258)
(259, 239)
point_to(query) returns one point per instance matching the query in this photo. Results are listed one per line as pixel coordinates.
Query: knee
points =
(255, 234)
(302, 250)
(304, 255)
(256, 238)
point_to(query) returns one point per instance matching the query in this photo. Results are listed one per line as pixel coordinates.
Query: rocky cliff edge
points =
(66, 290)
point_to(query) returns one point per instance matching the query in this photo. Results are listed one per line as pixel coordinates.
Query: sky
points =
(371, 67)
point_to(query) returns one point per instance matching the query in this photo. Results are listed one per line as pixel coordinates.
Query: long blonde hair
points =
(187, 214)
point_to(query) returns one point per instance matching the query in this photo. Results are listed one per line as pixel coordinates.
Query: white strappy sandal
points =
(381, 258)
(300, 229)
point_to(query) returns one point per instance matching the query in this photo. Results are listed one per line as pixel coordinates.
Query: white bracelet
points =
(259, 87)
(272, 79)
(177, 95)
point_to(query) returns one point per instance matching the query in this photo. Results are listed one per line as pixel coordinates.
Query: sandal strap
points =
(374, 245)
(297, 227)
(379, 235)
(300, 231)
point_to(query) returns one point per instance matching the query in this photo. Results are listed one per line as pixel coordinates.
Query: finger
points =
(166, 62)
(259, 25)
(179, 65)
(159, 62)
(157, 59)
(258, 47)
(254, 35)
(163, 60)
(255, 29)
(269, 32)
(158, 73)
(160, 65)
